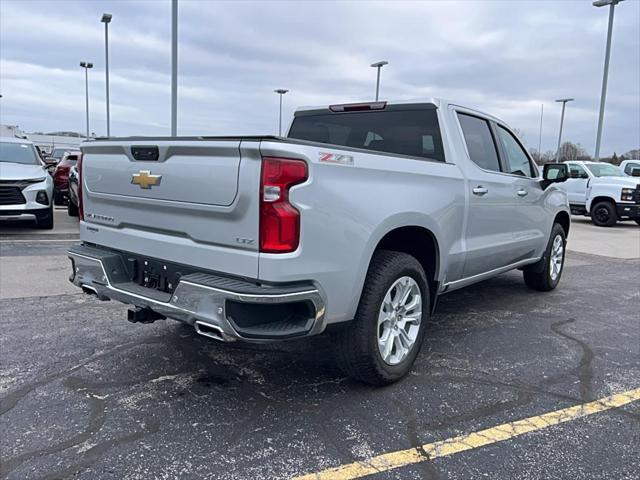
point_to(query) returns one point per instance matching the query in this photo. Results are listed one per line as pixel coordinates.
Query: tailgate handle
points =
(145, 153)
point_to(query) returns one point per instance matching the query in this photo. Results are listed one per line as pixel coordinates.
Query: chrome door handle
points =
(480, 190)
(522, 192)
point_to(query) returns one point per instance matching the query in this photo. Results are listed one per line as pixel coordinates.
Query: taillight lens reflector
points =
(279, 220)
(80, 203)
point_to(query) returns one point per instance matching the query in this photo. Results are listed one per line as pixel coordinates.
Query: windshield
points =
(58, 153)
(604, 170)
(18, 153)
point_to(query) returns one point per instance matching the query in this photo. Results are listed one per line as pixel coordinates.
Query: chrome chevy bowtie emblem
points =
(145, 179)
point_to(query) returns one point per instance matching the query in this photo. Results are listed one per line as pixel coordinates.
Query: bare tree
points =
(520, 134)
(571, 151)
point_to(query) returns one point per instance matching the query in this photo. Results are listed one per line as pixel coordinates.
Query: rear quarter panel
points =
(347, 209)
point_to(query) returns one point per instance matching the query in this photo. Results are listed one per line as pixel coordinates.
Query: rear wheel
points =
(545, 274)
(384, 339)
(72, 209)
(604, 214)
(45, 222)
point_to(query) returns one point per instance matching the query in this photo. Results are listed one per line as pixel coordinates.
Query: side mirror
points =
(554, 173)
(49, 161)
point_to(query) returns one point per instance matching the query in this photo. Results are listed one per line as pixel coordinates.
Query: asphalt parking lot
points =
(85, 394)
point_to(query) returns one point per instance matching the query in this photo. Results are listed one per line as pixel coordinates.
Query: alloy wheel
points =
(557, 257)
(399, 320)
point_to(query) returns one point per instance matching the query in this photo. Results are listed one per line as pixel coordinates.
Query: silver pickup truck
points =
(352, 225)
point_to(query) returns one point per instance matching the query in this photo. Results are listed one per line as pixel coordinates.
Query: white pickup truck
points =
(630, 167)
(353, 225)
(602, 191)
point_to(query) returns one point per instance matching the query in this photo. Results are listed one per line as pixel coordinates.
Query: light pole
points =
(540, 135)
(174, 68)
(281, 92)
(564, 103)
(379, 65)
(605, 76)
(86, 66)
(106, 19)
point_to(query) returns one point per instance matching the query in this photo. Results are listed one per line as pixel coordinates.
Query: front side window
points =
(479, 140)
(517, 160)
(576, 171)
(23, 153)
(604, 170)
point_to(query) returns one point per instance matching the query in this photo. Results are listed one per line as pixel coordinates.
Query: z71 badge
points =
(335, 158)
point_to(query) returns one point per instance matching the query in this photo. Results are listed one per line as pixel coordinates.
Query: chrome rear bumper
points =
(201, 299)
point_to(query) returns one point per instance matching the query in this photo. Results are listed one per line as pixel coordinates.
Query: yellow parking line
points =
(443, 448)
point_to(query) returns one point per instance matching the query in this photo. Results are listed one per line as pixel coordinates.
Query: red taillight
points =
(80, 204)
(279, 220)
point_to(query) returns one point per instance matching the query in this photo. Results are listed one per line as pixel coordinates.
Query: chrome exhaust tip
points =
(209, 330)
(89, 290)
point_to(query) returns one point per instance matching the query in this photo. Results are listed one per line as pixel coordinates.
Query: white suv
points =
(26, 188)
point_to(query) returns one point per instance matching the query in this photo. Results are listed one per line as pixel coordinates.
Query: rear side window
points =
(407, 132)
(516, 157)
(479, 140)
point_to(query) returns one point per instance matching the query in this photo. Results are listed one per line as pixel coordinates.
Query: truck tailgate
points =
(205, 174)
(188, 201)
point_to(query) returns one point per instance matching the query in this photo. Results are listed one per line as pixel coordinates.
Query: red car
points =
(61, 177)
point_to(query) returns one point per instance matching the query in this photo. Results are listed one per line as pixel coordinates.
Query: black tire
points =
(356, 347)
(45, 222)
(72, 209)
(603, 214)
(58, 198)
(539, 275)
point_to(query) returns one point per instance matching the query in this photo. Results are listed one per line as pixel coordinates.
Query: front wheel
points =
(545, 274)
(384, 339)
(604, 214)
(45, 222)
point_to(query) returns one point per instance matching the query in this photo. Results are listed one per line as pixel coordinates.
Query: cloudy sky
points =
(505, 57)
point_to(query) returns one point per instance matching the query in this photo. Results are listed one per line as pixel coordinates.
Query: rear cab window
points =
(411, 132)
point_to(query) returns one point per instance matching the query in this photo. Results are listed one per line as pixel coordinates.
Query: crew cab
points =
(601, 190)
(352, 225)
